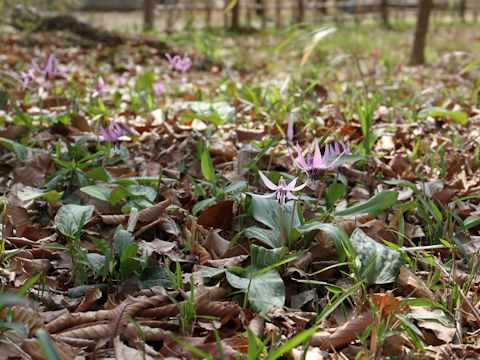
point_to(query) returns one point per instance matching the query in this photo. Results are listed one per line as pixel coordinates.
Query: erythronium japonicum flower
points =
(282, 191)
(51, 68)
(158, 88)
(179, 63)
(27, 76)
(115, 131)
(99, 88)
(313, 163)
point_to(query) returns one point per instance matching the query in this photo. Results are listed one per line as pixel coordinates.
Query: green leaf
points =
(292, 343)
(338, 236)
(207, 167)
(264, 291)
(46, 345)
(79, 291)
(136, 203)
(142, 191)
(379, 264)
(117, 194)
(123, 239)
(458, 116)
(30, 193)
(333, 193)
(68, 218)
(267, 211)
(269, 237)
(97, 191)
(12, 300)
(129, 262)
(264, 257)
(100, 174)
(236, 186)
(19, 150)
(202, 205)
(154, 276)
(97, 261)
(373, 206)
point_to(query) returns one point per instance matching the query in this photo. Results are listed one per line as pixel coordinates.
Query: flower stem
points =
(291, 221)
(281, 226)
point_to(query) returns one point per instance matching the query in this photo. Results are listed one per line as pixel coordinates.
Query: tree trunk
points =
(301, 11)
(463, 7)
(278, 13)
(148, 14)
(235, 16)
(417, 56)
(384, 10)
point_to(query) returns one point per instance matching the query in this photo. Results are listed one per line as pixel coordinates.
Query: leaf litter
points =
(150, 246)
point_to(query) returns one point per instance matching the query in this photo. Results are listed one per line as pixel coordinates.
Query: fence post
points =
(263, 12)
(384, 11)
(208, 15)
(462, 8)
(301, 11)
(322, 6)
(235, 16)
(148, 14)
(278, 13)
(248, 9)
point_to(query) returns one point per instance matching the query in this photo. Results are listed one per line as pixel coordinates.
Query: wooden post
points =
(417, 56)
(148, 14)
(208, 15)
(278, 13)
(301, 11)
(236, 16)
(462, 8)
(384, 11)
(263, 12)
(248, 8)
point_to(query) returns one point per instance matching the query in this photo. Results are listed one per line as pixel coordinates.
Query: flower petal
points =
(267, 182)
(301, 159)
(318, 161)
(264, 196)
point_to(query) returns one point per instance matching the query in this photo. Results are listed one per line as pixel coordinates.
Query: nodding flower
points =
(179, 63)
(158, 88)
(115, 131)
(51, 68)
(27, 76)
(316, 161)
(282, 191)
(99, 88)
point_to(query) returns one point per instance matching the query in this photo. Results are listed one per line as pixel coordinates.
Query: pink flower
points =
(158, 88)
(282, 191)
(120, 80)
(51, 68)
(27, 76)
(178, 63)
(316, 162)
(375, 53)
(115, 131)
(99, 88)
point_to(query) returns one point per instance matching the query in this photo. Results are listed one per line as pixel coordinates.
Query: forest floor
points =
(135, 217)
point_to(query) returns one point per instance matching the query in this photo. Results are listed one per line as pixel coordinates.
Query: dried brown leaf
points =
(91, 296)
(413, 285)
(342, 335)
(216, 243)
(153, 212)
(218, 216)
(124, 352)
(202, 254)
